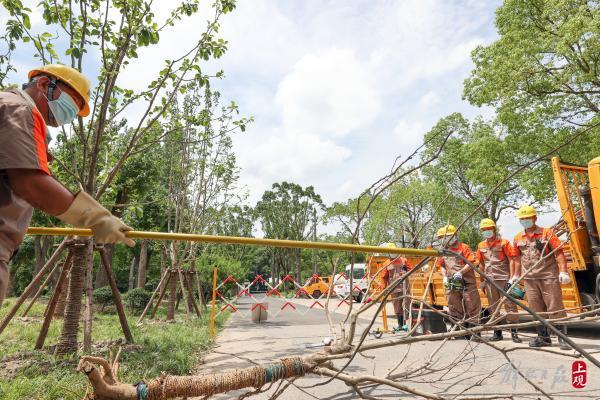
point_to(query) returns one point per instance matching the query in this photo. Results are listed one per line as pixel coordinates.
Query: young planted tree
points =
(113, 32)
(199, 172)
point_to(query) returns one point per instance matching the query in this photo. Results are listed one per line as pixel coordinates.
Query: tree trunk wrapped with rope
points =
(103, 377)
(68, 337)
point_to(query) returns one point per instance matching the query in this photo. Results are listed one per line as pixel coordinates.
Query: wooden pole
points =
(49, 315)
(200, 294)
(158, 287)
(34, 282)
(191, 293)
(183, 290)
(214, 301)
(88, 314)
(41, 289)
(116, 295)
(163, 290)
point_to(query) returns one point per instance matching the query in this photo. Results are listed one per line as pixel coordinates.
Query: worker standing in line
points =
(459, 278)
(493, 255)
(396, 269)
(539, 257)
(54, 95)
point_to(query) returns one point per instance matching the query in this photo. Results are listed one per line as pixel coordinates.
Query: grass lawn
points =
(172, 348)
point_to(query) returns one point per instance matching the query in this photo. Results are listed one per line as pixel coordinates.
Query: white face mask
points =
(487, 234)
(449, 241)
(526, 223)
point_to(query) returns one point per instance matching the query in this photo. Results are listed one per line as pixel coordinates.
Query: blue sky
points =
(338, 89)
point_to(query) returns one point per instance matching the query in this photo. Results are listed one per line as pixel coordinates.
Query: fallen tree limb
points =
(102, 376)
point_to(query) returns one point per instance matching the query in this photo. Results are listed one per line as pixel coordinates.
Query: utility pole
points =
(314, 238)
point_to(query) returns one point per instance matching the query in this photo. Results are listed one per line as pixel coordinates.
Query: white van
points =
(360, 282)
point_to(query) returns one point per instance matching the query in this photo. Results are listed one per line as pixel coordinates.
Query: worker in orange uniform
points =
(493, 255)
(54, 96)
(396, 269)
(540, 259)
(459, 278)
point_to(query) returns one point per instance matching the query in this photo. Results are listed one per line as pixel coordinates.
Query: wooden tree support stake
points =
(158, 287)
(29, 289)
(163, 290)
(49, 314)
(40, 290)
(188, 283)
(116, 295)
(89, 301)
(183, 290)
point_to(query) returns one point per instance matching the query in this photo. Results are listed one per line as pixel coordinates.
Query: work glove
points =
(564, 278)
(457, 275)
(445, 281)
(86, 212)
(512, 280)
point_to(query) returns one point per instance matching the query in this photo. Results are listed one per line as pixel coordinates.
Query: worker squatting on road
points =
(493, 255)
(54, 95)
(539, 258)
(462, 295)
(401, 300)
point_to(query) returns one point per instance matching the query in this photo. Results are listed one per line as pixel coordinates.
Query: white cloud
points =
(409, 133)
(291, 156)
(429, 99)
(329, 93)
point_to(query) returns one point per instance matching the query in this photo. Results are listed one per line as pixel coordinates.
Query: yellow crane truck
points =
(578, 192)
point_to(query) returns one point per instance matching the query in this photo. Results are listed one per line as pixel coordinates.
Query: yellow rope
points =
(190, 237)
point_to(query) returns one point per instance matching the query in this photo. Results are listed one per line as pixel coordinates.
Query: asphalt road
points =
(461, 366)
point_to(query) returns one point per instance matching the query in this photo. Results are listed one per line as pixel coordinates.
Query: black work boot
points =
(540, 340)
(515, 335)
(547, 336)
(497, 336)
(562, 342)
(475, 337)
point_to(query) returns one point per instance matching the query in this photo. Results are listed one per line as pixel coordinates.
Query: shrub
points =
(103, 297)
(136, 299)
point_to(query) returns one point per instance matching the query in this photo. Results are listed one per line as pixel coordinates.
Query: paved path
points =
(243, 343)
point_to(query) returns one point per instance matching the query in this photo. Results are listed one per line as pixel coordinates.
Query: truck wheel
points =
(359, 297)
(316, 294)
(588, 302)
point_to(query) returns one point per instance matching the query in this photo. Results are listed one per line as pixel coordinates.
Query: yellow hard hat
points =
(447, 230)
(487, 223)
(526, 212)
(390, 244)
(70, 76)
